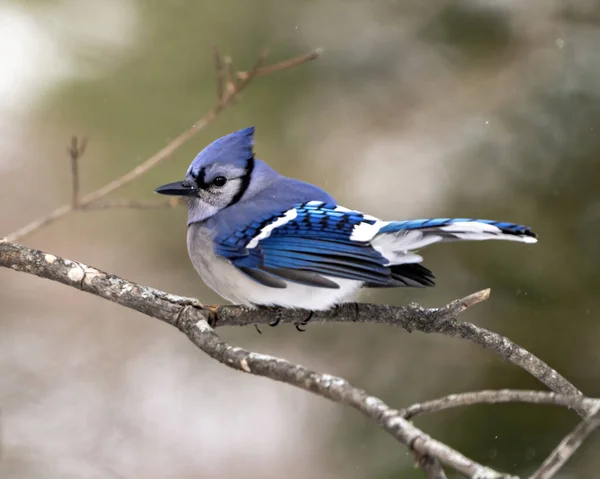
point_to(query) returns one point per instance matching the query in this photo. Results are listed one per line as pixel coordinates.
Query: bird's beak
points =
(178, 188)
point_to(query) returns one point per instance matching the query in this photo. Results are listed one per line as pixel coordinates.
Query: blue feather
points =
(234, 149)
(317, 240)
(506, 228)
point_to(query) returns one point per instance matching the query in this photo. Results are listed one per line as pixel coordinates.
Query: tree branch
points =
(193, 318)
(414, 317)
(567, 447)
(76, 151)
(498, 397)
(331, 387)
(189, 316)
(225, 98)
(411, 317)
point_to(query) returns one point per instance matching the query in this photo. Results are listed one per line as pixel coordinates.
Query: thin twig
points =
(148, 164)
(267, 70)
(498, 397)
(252, 72)
(230, 81)
(567, 447)
(75, 151)
(193, 319)
(218, 73)
(460, 305)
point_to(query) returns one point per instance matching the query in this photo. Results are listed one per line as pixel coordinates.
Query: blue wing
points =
(309, 243)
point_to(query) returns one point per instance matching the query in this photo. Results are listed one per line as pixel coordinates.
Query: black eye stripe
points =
(245, 182)
(200, 178)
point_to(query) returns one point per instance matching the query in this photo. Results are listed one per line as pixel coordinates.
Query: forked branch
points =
(192, 318)
(197, 322)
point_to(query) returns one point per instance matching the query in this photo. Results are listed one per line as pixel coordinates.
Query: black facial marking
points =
(244, 183)
(200, 177)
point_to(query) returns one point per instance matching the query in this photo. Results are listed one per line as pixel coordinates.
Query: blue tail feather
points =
(433, 223)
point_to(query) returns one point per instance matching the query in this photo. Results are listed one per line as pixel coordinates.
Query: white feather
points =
(288, 216)
(403, 241)
(365, 231)
(471, 227)
(501, 236)
(476, 231)
(398, 247)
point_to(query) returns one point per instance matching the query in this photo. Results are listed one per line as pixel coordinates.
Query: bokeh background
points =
(416, 109)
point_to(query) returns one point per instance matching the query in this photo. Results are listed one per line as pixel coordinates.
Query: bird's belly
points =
(226, 280)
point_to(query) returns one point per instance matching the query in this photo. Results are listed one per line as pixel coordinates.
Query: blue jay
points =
(257, 237)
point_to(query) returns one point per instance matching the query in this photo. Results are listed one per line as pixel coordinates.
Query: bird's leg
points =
(304, 322)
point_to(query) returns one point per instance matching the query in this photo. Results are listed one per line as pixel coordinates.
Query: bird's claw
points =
(276, 322)
(304, 322)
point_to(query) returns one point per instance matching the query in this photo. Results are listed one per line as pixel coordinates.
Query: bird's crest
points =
(234, 149)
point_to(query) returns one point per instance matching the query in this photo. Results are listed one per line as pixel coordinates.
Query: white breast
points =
(223, 278)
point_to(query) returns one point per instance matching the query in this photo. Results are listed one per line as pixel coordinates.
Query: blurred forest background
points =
(416, 109)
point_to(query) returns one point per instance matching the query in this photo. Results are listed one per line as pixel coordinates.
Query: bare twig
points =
(267, 70)
(458, 306)
(498, 397)
(151, 162)
(193, 319)
(218, 73)
(567, 447)
(76, 151)
(512, 353)
(230, 80)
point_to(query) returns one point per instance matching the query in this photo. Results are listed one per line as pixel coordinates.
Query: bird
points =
(259, 238)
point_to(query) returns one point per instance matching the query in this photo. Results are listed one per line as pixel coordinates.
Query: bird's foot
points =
(277, 320)
(304, 322)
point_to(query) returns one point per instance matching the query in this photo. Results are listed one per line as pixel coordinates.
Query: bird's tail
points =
(396, 240)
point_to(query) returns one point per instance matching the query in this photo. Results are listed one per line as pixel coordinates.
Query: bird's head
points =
(218, 177)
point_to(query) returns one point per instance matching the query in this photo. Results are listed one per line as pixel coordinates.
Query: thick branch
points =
(334, 388)
(193, 319)
(166, 307)
(414, 317)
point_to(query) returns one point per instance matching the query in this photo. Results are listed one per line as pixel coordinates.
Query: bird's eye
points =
(219, 181)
